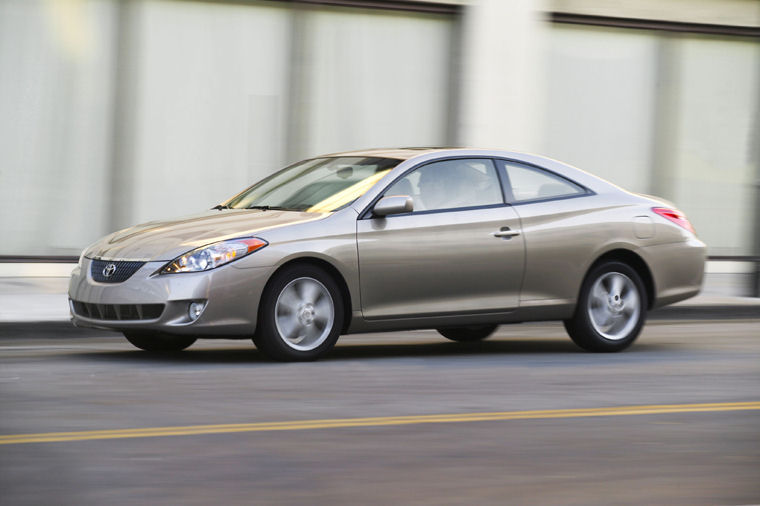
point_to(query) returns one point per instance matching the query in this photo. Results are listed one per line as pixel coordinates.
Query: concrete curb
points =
(65, 329)
(62, 329)
(706, 312)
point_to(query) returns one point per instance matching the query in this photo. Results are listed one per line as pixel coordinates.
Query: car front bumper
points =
(147, 301)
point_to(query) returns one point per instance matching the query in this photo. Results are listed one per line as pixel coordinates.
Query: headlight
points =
(213, 255)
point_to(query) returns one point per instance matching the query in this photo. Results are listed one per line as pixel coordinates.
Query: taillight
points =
(675, 216)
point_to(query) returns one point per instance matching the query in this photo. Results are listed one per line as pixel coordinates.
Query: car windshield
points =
(318, 185)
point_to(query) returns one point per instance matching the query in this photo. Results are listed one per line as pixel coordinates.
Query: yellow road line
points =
(381, 421)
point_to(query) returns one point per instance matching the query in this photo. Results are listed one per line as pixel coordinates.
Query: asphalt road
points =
(523, 418)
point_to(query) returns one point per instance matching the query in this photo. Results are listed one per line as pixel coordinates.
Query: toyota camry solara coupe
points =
(458, 240)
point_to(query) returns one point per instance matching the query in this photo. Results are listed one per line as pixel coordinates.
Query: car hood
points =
(166, 240)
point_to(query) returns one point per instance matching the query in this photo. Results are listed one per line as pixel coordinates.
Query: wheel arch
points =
(634, 261)
(331, 270)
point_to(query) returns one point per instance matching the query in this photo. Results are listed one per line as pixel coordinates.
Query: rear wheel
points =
(467, 334)
(301, 314)
(157, 341)
(611, 309)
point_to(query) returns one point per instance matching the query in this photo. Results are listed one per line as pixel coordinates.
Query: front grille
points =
(106, 271)
(118, 312)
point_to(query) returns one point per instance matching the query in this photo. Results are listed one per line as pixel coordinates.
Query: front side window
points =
(318, 185)
(531, 183)
(451, 184)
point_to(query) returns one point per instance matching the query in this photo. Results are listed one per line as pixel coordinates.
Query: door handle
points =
(506, 233)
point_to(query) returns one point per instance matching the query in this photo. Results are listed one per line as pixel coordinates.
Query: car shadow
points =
(350, 351)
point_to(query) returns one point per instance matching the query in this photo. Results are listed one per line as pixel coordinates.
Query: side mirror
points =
(394, 204)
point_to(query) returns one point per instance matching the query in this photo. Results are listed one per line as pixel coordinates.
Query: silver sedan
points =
(458, 240)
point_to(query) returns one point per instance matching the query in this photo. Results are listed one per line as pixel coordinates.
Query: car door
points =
(561, 227)
(459, 251)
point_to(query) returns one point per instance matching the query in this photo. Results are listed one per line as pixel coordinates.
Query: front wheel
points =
(611, 309)
(156, 341)
(467, 334)
(300, 316)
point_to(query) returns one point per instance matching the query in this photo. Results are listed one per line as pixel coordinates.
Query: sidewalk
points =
(33, 299)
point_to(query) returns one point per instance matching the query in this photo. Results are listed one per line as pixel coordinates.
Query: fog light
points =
(195, 310)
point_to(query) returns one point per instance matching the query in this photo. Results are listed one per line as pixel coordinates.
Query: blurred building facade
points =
(114, 112)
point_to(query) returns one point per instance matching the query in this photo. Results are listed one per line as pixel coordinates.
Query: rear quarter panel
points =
(563, 238)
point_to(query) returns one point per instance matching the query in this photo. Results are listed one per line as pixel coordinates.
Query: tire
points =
(300, 315)
(158, 341)
(467, 334)
(611, 309)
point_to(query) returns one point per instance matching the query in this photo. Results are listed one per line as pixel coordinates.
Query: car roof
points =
(407, 153)
(398, 153)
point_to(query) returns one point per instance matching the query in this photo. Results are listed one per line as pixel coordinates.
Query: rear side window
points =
(531, 183)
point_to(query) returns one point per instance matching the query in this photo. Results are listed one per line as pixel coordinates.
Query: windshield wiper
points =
(219, 207)
(272, 208)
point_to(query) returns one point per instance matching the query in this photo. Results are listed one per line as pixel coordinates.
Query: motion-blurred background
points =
(116, 112)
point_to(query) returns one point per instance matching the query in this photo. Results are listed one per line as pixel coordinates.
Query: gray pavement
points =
(96, 381)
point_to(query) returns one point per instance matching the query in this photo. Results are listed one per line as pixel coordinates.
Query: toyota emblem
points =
(108, 270)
